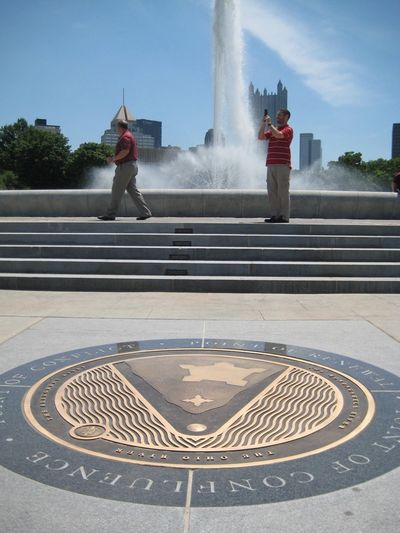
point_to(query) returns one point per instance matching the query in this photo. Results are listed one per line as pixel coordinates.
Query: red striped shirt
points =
(279, 149)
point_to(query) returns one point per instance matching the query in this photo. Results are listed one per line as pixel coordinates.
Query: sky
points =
(68, 61)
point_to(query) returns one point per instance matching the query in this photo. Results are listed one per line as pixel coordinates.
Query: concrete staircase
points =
(210, 255)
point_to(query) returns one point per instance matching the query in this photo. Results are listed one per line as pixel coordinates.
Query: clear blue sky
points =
(68, 60)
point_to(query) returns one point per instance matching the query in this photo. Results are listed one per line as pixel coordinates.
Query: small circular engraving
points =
(88, 432)
(196, 428)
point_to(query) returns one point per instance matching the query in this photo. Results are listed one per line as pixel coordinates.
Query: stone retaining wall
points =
(202, 203)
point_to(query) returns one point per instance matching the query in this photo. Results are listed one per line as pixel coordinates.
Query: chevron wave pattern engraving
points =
(297, 404)
(99, 396)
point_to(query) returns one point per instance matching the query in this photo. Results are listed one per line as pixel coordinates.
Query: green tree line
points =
(350, 172)
(32, 158)
(376, 174)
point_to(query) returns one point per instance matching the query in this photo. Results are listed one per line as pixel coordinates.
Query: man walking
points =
(278, 163)
(125, 158)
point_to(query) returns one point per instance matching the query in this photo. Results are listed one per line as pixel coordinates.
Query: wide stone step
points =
(232, 284)
(234, 227)
(221, 255)
(194, 253)
(219, 240)
(198, 268)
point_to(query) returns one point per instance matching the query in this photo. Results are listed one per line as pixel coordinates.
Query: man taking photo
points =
(278, 163)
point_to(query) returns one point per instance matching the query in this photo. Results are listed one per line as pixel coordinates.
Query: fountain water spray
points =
(236, 163)
(231, 114)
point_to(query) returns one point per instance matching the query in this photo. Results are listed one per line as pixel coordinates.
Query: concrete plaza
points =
(36, 324)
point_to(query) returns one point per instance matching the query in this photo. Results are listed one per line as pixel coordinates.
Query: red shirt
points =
(279, 149)
(127, 142)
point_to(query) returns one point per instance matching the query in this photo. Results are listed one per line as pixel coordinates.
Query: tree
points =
(86, 157)
(8, 180)
(350, 159)
(351, 172)
(9, 137)
(383, 171)
(41, 159)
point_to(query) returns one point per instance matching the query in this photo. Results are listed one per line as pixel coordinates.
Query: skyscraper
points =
(310, 151)
(110, 136)
(396, 141)
(209, 137)
(305, 150)
(258, 102)
(316, 153)
(151, 127)
(146, 132)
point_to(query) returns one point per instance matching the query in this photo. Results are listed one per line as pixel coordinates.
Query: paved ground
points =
(36, 324)
(214, 220)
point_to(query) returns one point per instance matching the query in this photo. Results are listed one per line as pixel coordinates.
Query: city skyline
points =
(68, 62)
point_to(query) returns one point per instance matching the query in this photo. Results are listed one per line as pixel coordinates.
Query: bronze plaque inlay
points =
(199, 408)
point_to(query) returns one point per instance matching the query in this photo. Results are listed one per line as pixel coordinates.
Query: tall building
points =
(146, 132)
(396, 141)
(310, 151)
(110, 136)
(305, 150)
(41, 124)
(153, 128)
(316, 153)
(209, 138)
(258, 102)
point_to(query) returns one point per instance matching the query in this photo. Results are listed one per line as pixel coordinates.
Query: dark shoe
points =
(106, 217)
(143, 218)
(283, 219)
(272, 219)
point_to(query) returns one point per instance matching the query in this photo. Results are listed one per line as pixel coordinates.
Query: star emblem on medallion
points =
(198, 400)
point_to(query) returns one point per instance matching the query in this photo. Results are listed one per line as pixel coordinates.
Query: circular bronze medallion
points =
(255, 421)
(198, 408)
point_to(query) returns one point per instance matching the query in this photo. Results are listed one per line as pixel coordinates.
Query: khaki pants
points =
(278, 181)
(125, 180)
